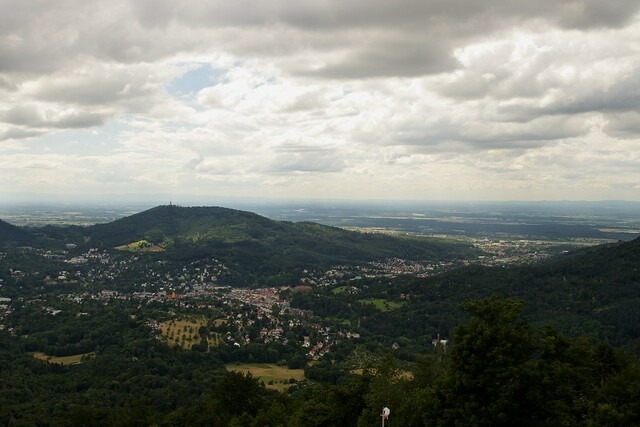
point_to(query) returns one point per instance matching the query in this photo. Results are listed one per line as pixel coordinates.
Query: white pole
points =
(384, 415)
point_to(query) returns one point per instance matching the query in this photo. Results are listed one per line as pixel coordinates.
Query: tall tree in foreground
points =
(502, 371)
(491, 369)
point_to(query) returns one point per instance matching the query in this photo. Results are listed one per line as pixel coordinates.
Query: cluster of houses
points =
(5, 310)
(265, 312)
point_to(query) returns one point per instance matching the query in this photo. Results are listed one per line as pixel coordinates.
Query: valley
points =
(231, 296)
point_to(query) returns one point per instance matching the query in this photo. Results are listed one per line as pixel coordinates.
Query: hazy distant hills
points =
(251, 245)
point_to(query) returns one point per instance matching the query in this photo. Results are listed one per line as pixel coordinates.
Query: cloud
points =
(39, 38)
(14, 133)
(476, 135)
(624, 125)
(622, 95)
(95, 86)
(361, 98)
(30, 116)
(303, 159)
(386, 58)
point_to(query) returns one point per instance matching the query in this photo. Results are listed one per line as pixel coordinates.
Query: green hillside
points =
(595, 291)
(193, 225)
(255, 247)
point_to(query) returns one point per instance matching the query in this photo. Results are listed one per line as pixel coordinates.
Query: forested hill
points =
(253, 246)
(172, 224)
(595, 291)
(11, 233)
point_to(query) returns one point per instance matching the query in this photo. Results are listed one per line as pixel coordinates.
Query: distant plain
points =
(593, 222)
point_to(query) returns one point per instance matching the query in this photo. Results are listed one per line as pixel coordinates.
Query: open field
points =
(140, 246)
(219, 322)
(184, 333)
(273, 376)
(74, 359)
(382, 304)
(341, 290)
(335, 319)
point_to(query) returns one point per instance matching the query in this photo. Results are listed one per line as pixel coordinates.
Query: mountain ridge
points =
(251, 245)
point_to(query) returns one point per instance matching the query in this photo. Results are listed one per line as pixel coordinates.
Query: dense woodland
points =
(500, 370)
(594, 292)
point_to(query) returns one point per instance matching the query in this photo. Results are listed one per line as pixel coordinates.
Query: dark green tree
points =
(489, 383)
(239, 393)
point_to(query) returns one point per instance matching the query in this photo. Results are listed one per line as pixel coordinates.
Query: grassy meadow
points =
(273, 376)
(74, 359)
(140, 246)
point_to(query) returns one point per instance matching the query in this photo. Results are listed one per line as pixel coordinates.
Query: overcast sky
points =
(353, 99)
